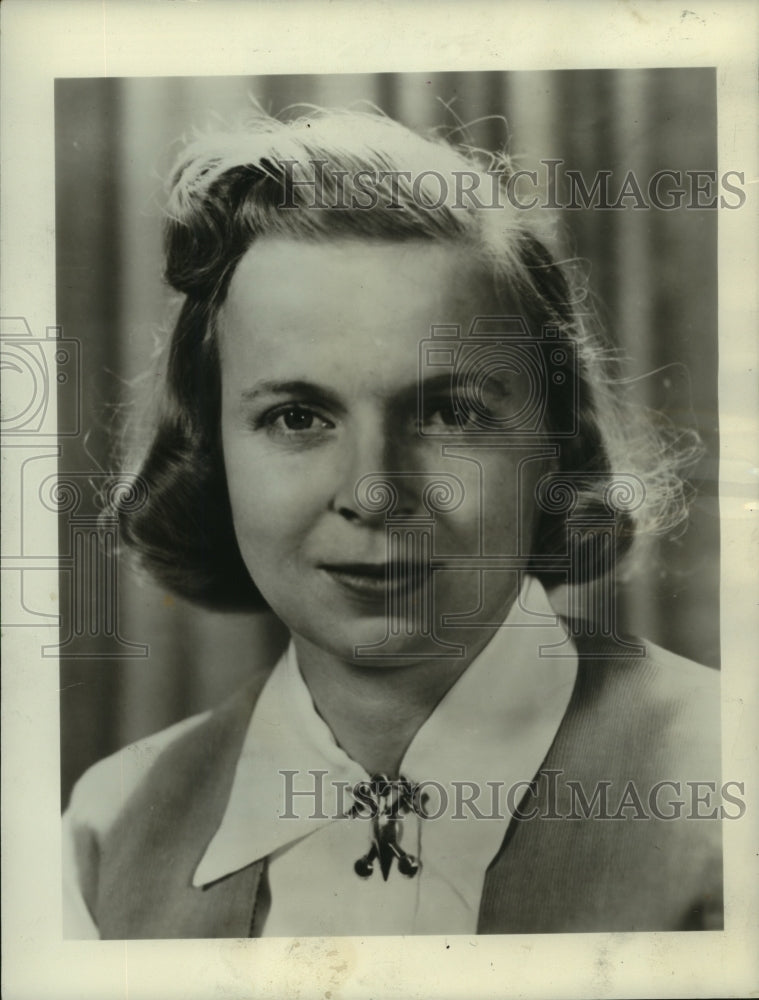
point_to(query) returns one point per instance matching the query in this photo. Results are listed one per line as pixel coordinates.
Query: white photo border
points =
(67, 38)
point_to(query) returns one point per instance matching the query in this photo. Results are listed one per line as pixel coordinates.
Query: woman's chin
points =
(376, 644)
(378, 635)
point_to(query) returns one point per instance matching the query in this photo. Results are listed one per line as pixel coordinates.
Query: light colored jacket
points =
(640, 736)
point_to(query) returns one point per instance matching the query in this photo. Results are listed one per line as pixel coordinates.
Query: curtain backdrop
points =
(653, 271)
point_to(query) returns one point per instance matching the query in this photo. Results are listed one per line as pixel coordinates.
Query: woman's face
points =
(327, 380)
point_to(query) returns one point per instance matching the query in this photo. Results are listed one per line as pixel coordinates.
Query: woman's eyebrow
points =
(290, 387)
(413, 394)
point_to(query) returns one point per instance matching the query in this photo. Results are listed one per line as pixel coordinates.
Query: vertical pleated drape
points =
(653, 271)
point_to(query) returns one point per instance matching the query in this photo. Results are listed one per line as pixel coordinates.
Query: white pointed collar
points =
(496, 723)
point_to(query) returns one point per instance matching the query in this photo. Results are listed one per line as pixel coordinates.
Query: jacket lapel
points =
(149, 857)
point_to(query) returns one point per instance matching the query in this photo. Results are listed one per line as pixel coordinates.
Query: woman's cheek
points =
(273, 499)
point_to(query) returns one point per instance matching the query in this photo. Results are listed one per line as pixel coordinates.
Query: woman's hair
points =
(345, 174)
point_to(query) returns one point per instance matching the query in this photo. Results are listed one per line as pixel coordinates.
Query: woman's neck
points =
(373, 711)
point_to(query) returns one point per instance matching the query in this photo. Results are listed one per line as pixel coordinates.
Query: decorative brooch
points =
(385, 802)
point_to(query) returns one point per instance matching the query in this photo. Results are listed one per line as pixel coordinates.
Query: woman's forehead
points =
(363, 319)
(340, 301)
(364, 282)
(316, 259)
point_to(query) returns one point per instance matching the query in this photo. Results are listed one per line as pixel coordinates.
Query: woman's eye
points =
(452, 415)
(296, 419)
(449, 415)
(492, 405)
(293, 420)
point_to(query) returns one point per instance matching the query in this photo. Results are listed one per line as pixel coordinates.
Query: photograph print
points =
(390, 550)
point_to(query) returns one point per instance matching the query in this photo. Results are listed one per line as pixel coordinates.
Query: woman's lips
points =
(379, 579)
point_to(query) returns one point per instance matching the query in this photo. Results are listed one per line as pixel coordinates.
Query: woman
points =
(386, 418)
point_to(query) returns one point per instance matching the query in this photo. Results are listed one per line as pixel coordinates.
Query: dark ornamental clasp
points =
(386, 802)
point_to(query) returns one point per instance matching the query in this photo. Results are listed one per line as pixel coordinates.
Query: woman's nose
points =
(377, 476)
